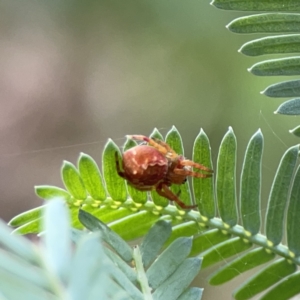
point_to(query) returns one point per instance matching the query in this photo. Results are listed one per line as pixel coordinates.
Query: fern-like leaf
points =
(283, 19)
(164, 276)
(236, 233)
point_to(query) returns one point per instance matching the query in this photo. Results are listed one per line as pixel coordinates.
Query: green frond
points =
(160, 276)
(273, 17)
(72, 264)
(56, 270)
(219, 229)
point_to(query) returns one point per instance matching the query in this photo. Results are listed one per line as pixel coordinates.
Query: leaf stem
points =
(193, 215)
(141, 275)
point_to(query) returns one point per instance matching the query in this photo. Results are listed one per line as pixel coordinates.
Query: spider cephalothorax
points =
(157, 166)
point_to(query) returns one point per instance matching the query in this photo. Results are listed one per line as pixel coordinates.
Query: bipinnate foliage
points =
(228, 228)
(158, 276)
(72, 264)
(280, 22)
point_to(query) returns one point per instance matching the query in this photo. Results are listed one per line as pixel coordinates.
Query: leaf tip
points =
(65, 163)
(128, 138)
(258, 133)
(82, 156)
(155, 132)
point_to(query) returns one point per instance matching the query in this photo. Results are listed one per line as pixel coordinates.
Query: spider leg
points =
(184, 172)
(164, 191)
(119, 171)
(171, 153)
(161, 146)
(187, 162)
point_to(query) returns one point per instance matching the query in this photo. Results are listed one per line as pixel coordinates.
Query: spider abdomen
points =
(144, 166)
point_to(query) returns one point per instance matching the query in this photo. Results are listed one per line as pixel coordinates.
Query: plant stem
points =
(141, 275)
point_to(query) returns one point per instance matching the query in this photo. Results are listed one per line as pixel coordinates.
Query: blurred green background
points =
(75, 73)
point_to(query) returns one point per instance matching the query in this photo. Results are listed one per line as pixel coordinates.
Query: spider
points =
(157, 166)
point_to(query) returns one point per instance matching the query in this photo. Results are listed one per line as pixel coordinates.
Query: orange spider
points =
(157, 166)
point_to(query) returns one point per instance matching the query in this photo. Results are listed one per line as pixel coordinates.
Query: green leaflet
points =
(283, 89)
(154, 241)
(204, 187)
(241, 264)
(106, 214)
(48, 192)
(126, 284)
(292, 219)
(290, 107)
(264, 279)
(27, 216)
(173, 139)
(272, 45)
(73, 181)
(286, 289)
(208, 239)
(251, 184)
(295, 131)
(266, 22)
(91, 177)
(110, 237)
(277, 67)
(134, 226)
(115, 185)
(261, 5)
(186, 229)
(124, 267)
(168, 261)
(175, 285)
(225, 181)
(33, 226)
(224, 250)
(279, 195)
